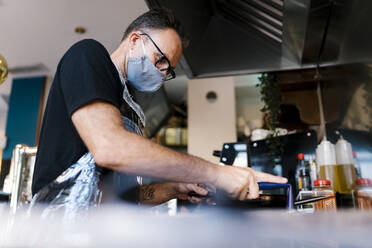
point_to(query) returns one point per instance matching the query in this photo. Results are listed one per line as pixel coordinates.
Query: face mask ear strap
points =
(130, 52)
(143, 47)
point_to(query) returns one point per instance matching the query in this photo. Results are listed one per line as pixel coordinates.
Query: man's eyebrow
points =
(166, 55)
(158, 53)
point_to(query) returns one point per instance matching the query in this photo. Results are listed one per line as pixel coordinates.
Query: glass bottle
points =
(358, 170)
(303, 184)
(303, 181)
(344, 174)
(313, 171)
(326, 160)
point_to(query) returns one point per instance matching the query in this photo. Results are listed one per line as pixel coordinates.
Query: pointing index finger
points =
(265, 177)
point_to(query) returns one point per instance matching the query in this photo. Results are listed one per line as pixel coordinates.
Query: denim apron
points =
(80, 187)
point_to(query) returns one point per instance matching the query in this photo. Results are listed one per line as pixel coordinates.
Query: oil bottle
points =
(326, 161)
(344, 175)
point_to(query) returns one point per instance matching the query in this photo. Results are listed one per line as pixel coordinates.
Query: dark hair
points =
(160, 18)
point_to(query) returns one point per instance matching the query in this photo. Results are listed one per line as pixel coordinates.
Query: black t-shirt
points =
(84, 74)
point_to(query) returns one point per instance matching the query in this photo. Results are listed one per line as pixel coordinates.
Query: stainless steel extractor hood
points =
(232, 37)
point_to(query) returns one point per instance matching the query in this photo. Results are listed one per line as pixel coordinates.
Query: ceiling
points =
(237, 37)
(38, 32)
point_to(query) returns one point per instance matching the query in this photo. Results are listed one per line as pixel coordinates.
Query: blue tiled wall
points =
(23, 113)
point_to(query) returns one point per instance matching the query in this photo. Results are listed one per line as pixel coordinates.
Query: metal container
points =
(21, 172)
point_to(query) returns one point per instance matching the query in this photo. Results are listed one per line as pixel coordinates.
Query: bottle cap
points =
(322, 182)
(300, 156)
(363, 181)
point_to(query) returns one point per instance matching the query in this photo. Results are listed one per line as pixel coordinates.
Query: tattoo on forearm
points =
(147, 193)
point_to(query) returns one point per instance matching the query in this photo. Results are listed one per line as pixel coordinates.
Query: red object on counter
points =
(300, 156)
(322, 182)
(363, 181)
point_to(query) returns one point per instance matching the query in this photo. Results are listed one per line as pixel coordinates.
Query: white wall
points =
(248, 102)
(210, 124)
(3, 117)
(5, 89)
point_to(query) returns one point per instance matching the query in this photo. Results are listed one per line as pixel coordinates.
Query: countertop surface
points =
(128, 226)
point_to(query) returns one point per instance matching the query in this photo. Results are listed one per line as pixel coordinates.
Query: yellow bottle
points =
(326, 161)
(344, 172)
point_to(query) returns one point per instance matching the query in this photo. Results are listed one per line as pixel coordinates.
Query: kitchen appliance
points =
(269, 198)
(256, 155)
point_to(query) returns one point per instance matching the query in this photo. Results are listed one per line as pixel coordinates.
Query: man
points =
(91, 124)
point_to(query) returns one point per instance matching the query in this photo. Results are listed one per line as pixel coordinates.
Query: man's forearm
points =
(131, 153)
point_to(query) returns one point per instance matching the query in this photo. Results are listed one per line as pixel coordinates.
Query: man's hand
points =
(182, 191)
(241, 183)
(161, 192)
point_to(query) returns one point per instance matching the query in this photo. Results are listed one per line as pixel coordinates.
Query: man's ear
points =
(133, 38)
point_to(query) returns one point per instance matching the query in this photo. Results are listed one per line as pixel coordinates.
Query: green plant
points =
(270, 95)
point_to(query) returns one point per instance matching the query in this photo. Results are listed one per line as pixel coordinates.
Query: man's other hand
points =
(182, 191)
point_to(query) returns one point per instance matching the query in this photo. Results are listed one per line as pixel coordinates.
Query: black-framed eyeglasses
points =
(163, 63)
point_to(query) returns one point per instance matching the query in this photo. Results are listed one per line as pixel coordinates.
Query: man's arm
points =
(99, 124)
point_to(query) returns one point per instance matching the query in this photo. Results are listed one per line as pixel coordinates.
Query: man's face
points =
(163, 48)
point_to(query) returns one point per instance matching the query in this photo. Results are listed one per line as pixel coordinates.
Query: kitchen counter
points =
(128, 226)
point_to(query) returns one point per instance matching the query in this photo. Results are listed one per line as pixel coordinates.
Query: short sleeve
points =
(86, 73)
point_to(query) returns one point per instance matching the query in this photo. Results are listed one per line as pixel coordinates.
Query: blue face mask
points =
(143, 74)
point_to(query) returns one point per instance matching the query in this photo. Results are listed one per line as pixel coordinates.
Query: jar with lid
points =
(322, 187)
(364, 193)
